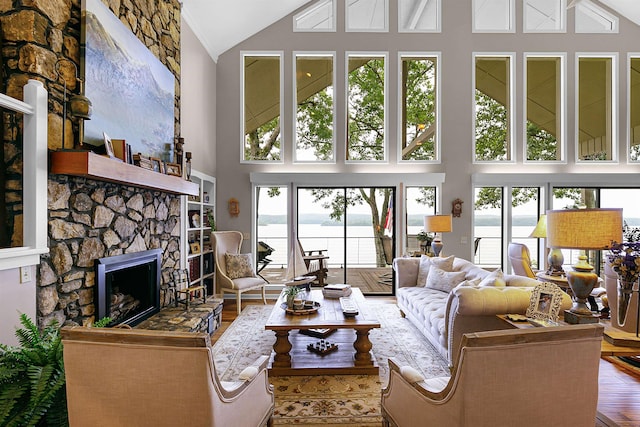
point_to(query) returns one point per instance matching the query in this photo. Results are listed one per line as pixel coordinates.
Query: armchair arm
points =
(251, 373)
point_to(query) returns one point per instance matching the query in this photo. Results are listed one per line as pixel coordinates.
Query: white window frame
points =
(438, 146)
(294, 133)
(592, 8)
(438, 29)
(243, 55)
(511, 118)
(562, 111)
(34, 191)
(630, 56)
(385, 144)
(511, 14)
(313, 9)
(347, 29)
(562, 18)
(614, 106)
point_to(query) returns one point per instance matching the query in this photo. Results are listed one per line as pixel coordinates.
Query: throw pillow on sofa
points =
(495, 278)
(426, 262)
(444, 281)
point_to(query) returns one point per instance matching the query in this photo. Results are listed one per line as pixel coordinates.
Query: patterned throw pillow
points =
(495, 278)
(444, 281)
(426, 262)
(239, 265)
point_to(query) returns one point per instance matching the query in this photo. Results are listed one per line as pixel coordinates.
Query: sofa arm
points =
(406, 270)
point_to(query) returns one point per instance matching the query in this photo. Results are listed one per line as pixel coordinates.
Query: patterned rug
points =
(327, 400)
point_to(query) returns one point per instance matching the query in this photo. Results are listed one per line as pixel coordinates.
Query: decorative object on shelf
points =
(195, 248)
(194, 219)
(205, 197)
(108, 146)
(625, 261)
(173, 169)
(143, 161)
(555, 259)
(79, 104)
(212, 220)
(177, 150)
(187, 166)
(157, 165)
(545, 302)
(234, 207)
(583, 229)
(437, 224)
(456, 208)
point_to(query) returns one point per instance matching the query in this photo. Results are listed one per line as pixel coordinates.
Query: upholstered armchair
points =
(536, 377)
(228, 243)
(129, 377)
(520, 259)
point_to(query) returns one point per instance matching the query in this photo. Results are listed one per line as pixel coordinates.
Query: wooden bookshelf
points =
(102, 168)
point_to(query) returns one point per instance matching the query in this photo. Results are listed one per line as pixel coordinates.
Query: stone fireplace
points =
(90, 220)
(128, 287)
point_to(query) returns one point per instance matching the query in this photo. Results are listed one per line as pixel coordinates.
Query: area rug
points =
(327, 400)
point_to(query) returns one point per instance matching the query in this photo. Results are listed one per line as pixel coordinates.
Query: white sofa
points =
(443, 317)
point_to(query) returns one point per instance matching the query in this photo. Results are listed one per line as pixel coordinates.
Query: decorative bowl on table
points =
(308, 307)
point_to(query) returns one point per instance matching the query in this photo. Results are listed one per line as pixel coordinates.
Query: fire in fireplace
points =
(128, 287)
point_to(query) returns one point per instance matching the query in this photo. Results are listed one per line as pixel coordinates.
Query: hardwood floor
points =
(619, 393)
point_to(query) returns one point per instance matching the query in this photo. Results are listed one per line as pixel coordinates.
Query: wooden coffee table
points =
(290, 355)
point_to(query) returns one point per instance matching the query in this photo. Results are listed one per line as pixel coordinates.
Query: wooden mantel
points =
(102, 168)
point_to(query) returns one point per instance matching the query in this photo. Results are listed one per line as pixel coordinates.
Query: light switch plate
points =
(25, 274)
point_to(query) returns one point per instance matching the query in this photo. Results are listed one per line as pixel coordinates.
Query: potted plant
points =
(291, 292)
(425, 241)
(32, 378)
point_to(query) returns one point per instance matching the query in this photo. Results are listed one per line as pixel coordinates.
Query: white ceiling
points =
(222, 24)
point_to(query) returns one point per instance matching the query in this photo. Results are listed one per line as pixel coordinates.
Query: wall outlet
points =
(464, 240)
(25, 274)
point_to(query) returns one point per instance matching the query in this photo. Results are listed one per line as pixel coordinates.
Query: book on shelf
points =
(336, 291)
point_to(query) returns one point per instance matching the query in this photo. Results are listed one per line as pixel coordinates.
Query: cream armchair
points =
(230, 242)
(129, 377)
(536, 377)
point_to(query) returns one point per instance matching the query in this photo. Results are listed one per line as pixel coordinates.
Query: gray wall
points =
(456, 44)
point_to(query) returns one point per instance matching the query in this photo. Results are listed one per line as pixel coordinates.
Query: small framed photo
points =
(173, 169)
(545, 302)
(195, 248)
(108, 146)
(157, 164)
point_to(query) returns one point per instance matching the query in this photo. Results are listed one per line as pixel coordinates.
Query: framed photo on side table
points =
(545, 302)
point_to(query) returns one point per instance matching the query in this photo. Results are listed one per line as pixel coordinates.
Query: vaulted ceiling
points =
(222, 24)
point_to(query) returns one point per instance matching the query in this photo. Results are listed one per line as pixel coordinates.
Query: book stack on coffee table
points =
(336, 291)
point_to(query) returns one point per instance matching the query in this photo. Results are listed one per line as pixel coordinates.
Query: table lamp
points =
(555, 259)
(437, 224)
(583, 229)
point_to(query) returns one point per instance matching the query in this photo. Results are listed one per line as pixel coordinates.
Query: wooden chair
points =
(534, 377)
(230, 242)
(130, 377)
(316, 263)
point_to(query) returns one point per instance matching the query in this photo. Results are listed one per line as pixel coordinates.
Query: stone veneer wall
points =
(35, 35)
(90, 220)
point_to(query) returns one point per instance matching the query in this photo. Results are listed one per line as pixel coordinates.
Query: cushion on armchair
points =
(239, 265)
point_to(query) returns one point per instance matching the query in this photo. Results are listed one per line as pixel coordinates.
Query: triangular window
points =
(367, 15)
(544, 16)
(419, 16)
(591, 18)
(319, 17)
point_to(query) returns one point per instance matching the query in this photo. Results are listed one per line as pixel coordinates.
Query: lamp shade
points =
(437, 223)
(541, 228)
(583, 228)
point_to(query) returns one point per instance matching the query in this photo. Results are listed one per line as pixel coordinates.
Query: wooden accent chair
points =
(316, 263)
(230, 242)
(520, 259)
(133, 377)
(534, 377)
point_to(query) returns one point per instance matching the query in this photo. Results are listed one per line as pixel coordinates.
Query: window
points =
(595, 105)
(262, 94)
(416, 16)
(315, 114)
(418, 108)
(634, 109)
(591, 18)
(366, 95)
(493, 16)
(367, 15)
(544, 128)
(317, 18)
(544, 16)
(493, 112)
(524, 218)
(419, 202)
(487, 225)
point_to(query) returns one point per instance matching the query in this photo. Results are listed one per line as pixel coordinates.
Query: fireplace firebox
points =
(128, 287)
